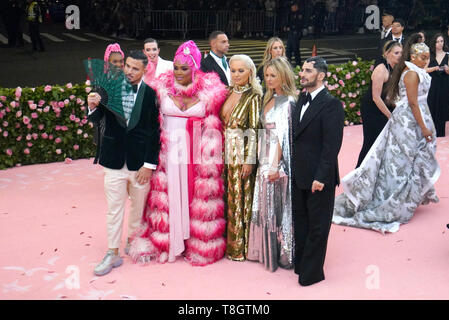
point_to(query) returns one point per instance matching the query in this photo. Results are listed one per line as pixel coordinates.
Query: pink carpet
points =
(53, 233)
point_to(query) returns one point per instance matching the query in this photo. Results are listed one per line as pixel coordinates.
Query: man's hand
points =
(317, 186)
(143, 175)
(93, 100)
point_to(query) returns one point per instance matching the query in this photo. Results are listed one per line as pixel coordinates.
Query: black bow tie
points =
(134, 88)
(307, 99)
(397, 39)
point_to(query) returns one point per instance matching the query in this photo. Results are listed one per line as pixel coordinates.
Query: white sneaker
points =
(110, 260)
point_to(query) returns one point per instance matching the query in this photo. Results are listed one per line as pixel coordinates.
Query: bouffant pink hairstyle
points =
(115, 47)
(188, 53)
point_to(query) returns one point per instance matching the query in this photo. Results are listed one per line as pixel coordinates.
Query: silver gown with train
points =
(398, 173)
(271, 228)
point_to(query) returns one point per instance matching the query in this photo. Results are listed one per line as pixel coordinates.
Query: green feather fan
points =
(108, 81)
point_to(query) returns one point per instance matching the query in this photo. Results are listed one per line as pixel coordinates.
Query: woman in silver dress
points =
(399, 171)
(271, 230)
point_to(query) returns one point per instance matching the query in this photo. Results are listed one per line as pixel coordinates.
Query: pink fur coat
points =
(207, 225)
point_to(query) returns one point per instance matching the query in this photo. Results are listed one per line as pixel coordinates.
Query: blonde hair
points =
(283, 69)
(267, 54)
(253, 81)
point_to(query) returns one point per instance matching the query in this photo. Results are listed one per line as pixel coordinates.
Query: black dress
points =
(438, 97)
(373, 119)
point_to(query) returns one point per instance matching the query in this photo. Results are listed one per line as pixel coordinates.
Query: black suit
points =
(209, 64)
(390, 37)
(317, 140)
(135, 143)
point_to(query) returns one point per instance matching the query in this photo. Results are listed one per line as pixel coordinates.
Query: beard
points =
(309, 84)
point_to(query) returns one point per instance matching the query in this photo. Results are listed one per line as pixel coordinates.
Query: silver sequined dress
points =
(398, 173)
(271, 229)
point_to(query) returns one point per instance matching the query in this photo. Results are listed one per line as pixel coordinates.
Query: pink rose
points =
(352, 105)
(58, 151)
(26, 151)
(41, 103)
(344, 105)
(29, 126)
(44, 135)
(78, 100)
(358, 113)
(357, 70)
(84, 108)
(68, 161)
(3, 98)
(343, 95)
(66, 101)
(69, 85)
(84, 121)
(47, 88)
(18, 93)
(50, 137)
(5, 134)
(19, 138)
(341, 82)
(41, 127)
(9, 152)
(72, 97)
(72, 117)
(79, 131)
(12, 104)
(348, 76)
(35, 136)
(17, 125)
(363, 82)
(354, 63)
(61, 104)
(58, 140)
(77, 120)
(5, 123)
(46, 109)
(29, 144)
(76, 147)
(87, 82)
(34, 115)
(85, 136)
(371, 68)
(58, 127)
(64, 128)
(60, 89)
(88, 89)
(26, 120)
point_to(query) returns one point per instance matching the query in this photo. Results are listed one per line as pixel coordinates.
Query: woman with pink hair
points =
(185, 208)
(114, 55)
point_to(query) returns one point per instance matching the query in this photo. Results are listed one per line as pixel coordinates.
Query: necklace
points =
(241, 89)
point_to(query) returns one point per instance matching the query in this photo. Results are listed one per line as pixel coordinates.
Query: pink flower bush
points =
(18, 93)
(69, 85)
(26, 120)
(58, 151)
(9, 152)
(58, 140)
(34, 115)
(47, 88)
(26, 151)
(76, 147)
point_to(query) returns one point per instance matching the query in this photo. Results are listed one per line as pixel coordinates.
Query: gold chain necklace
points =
(241, 89)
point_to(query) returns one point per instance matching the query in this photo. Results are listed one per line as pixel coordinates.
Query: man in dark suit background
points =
(129, 154)
(396, 34)
(216, 60)
(317, 124)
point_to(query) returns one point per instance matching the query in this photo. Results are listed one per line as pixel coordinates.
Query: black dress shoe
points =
(306, 283)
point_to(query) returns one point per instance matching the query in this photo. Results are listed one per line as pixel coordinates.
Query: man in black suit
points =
(317, 122)
(396, 34)
(216, 59)
(129, 154)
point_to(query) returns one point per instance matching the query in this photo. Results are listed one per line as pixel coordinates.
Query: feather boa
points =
(207, 224)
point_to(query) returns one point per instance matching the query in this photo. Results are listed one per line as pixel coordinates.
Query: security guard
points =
(294, 31)
(34, 18)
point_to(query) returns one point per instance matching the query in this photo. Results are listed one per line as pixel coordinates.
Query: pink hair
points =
(188, 53)
(112, 48)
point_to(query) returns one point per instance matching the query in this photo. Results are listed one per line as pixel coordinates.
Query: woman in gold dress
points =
(240, 116)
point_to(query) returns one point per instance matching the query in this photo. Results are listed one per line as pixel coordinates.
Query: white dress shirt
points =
(312, 95)
(218, 60)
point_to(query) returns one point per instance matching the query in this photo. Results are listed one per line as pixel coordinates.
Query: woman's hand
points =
(246, 170)
(427, 134)
(273, 175)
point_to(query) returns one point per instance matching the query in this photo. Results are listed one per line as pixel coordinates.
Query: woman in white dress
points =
(399, 171)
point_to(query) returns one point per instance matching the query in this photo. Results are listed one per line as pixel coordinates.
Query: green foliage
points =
(348, 82)
(44, 124)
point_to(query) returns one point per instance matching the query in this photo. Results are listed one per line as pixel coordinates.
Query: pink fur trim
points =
(207, 210)
(207, 230)
(160, 240)
(205, 188)
(159, 221)
(210, 249)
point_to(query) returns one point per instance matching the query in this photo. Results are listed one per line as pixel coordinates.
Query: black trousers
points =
(293, 41)
(35, 36)
(312, 218)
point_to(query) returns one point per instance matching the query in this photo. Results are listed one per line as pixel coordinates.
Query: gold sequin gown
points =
(240, 148)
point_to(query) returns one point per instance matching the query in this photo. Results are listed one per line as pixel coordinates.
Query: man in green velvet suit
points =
(129, 154)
